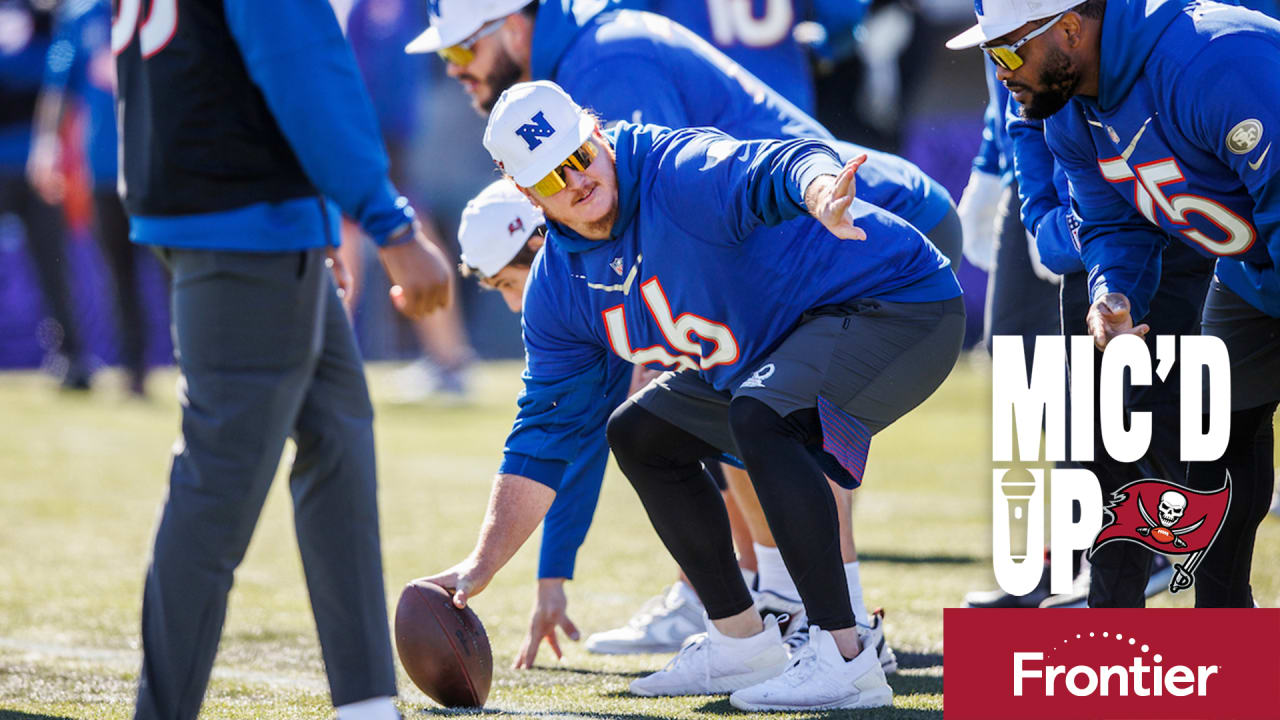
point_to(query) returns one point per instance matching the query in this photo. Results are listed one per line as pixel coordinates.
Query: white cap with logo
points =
(453, 21)
(998, 17)
(496, 224)
(533, 128)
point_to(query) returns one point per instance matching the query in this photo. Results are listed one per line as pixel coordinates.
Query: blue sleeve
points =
(296, 55)
(567, 521)
(754, 182)
(1119, 248)
(611, 84)
(566, 393)
(64, 54)
(988, 157)
(1042, 188)
(1224, 97)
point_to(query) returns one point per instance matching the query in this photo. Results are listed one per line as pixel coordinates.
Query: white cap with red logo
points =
(453, 21)
(533, 128)
(496, 224)
(998, 17)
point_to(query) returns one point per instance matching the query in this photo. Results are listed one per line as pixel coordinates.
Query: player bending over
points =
(798, 339)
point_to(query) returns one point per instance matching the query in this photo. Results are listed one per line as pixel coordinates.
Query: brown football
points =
(444, 650)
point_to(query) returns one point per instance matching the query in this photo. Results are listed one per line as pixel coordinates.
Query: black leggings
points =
(1222, 579)
(663, 463)
(122, 256)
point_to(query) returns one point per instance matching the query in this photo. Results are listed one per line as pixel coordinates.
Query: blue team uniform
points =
(688, 294)
(604, 59)
(80, 64)
(1167, 145)
(763, 41)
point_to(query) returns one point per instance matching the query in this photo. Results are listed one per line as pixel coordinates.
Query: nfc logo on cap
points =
(533, 131)
(977, 6)
(433, 8)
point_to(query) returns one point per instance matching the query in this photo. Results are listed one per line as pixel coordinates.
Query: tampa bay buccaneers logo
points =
(1169, 519)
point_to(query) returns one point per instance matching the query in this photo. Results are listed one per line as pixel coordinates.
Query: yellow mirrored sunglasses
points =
(554, 182)
(1006, 56)
(464, 52)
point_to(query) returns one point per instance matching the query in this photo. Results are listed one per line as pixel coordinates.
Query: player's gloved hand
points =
(548, 614)
(977, 210)
(465, 580)
(421, 278)
(1109, 317)
(828, 199)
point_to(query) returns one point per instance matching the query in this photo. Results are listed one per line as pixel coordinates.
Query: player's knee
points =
(630, 431)
(757, 427)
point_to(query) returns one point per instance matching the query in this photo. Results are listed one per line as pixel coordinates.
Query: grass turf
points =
(83, 477)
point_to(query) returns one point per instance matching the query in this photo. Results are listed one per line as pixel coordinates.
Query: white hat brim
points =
(430, 40)
(556, 154)
(973, 37)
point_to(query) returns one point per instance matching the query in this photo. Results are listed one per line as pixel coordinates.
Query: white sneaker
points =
(789, 613)
(819, 678)
(712, 663)
(661, 625)
(869, 635)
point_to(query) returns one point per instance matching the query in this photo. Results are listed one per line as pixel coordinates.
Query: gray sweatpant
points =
(266, 352)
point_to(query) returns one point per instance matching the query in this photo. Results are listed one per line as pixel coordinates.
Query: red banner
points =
(1109, 663)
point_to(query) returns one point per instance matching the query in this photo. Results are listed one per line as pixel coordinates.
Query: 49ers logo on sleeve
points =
(679, 333)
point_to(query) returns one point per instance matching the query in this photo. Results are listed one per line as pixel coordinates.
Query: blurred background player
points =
(27, 30)
(241, 145)
(378, 31)
(80, 69)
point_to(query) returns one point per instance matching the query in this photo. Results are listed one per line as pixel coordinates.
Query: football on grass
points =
(444, 650)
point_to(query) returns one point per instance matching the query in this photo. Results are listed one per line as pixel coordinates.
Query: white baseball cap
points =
(533, 128)
(997, 17)
(496, 224)
(453, 21)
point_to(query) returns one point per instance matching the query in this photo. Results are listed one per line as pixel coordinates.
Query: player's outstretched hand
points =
(1109, 317)
(464, 580)
(548, 614)
(828, 200)
(421, 278)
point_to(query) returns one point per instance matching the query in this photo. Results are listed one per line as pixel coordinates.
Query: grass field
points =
(82, 478)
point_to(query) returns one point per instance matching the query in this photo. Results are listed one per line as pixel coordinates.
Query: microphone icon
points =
(1017, 486)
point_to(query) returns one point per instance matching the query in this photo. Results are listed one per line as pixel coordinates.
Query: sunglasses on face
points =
(1006, 56)
(463, 53)
(555, 181)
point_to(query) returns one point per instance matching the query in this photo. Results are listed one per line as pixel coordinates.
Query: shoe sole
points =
(634, 649)
(720, 687)
(878, 698)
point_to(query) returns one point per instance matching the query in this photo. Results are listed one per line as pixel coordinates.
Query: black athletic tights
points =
(1222, 579)
(664, 465)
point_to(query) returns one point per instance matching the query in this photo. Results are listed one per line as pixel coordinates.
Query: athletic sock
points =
(379, 708)
(852, 577)
(772, 573)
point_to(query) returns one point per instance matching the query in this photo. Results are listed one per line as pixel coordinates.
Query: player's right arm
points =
(1046, 200)
(296, 55)
(1120, 248)
(565, 392)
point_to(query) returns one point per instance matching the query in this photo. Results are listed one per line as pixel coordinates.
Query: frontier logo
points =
(1133, 663)
(1144, 676)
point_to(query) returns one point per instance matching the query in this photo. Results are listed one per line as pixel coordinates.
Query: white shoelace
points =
(693, 647)
(802, 665)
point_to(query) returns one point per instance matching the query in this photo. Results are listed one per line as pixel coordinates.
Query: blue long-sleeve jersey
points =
(713, 296)
(1178, 138)
(312, 87)
(759, 35)
(640, 67)
(80, 65)
(1045, 194)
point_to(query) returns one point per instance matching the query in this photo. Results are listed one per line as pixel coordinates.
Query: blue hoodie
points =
(674, 288)
(1179, 138)
(641, 67)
